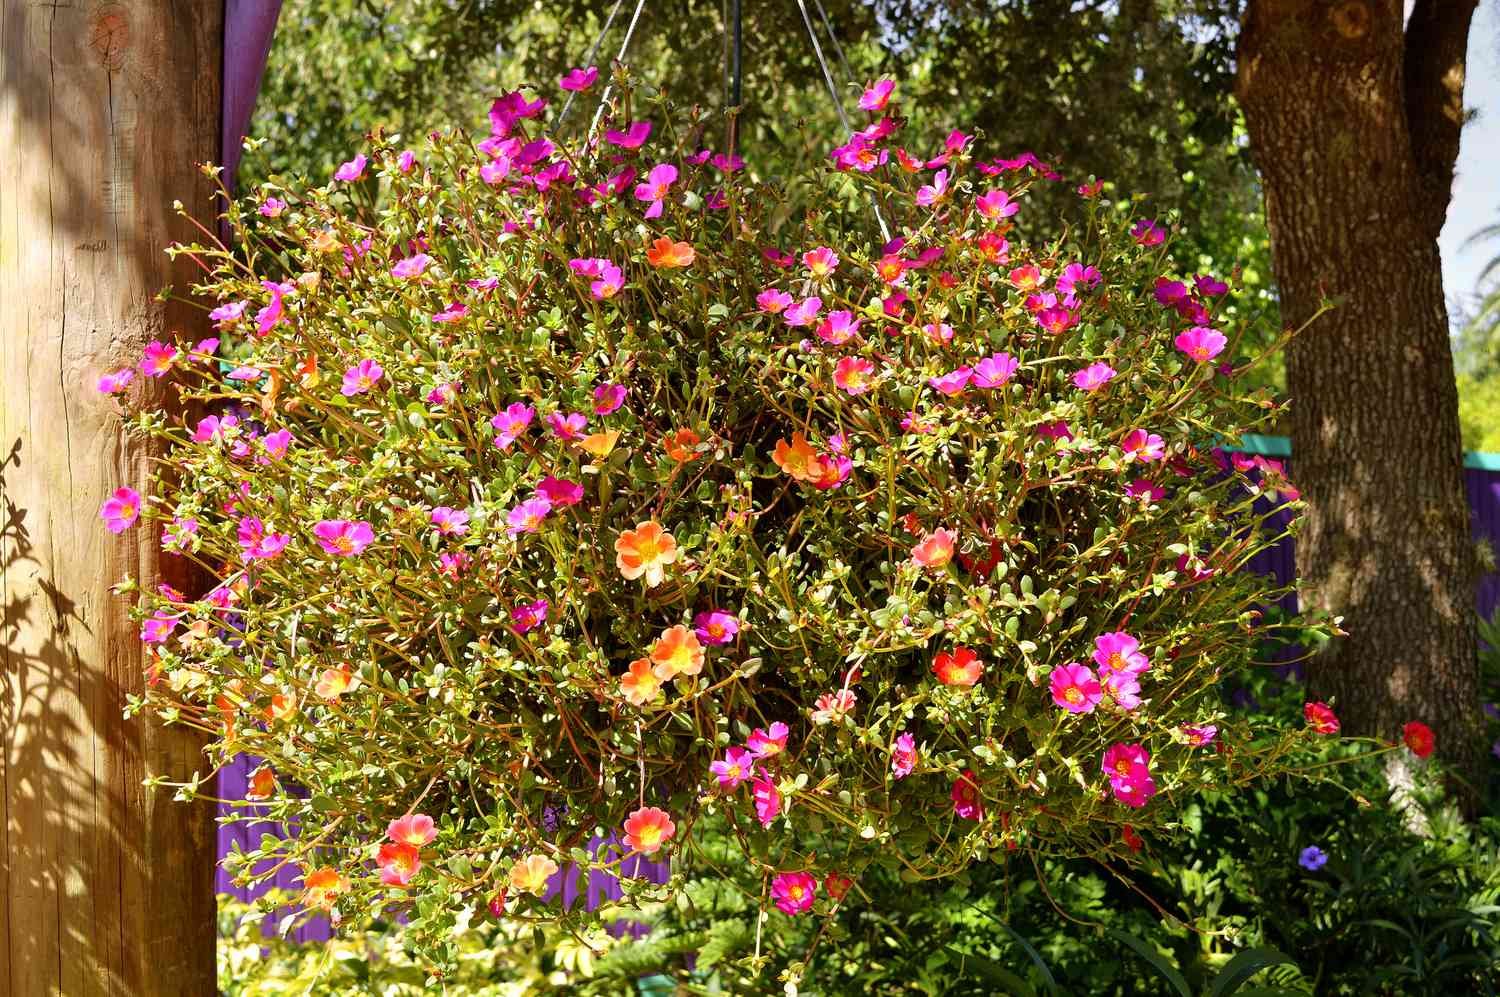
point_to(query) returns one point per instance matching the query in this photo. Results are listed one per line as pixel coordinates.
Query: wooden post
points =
(105, 107)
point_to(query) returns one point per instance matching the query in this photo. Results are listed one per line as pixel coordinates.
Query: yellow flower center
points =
(1073, 695)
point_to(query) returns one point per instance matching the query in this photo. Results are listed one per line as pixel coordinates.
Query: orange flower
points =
(666, 254)
(334, 682)
(530, 874)
(281, 707)
(679, 445)
(798, 459)
(322, 887)
(962, 667)
(935, 550)
(677, 652)
(640, 685)
(262, 784)
(398, 863)
(600, 444)
(645, 551)
(647, 829)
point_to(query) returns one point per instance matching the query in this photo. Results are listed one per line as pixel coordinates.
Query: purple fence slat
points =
(248, 28)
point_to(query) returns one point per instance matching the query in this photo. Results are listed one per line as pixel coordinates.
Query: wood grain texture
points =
(105, 107)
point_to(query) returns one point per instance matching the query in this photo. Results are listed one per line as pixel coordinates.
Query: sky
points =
(1476, 190)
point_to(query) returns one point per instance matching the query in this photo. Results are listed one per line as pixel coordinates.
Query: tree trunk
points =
(106, 887)
(1355, 199)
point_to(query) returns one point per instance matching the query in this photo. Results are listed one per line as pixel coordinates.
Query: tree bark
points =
(1354, 124)
(106, 887)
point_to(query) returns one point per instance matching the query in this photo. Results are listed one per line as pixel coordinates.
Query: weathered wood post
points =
(105, 107)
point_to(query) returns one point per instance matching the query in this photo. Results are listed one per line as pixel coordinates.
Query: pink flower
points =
(1093, 377)
(903, 755)
(656, 188)
(1147, 233)
(1056, 320)
(1145, 491)
(1169, 292)
(529, 615)
(272, 207)
(952, 383)
(579, 80)
(1075, 688)
(450, 522)
(157, 359)
(996, 204)
(877, 95)
(609, 282)
(352, 170)
(228, 314)
(1209, 287)
(631, 138)
(838, 328)
(767, 799)
(114, 383)
(1142, 446)
(995, 371)
(804, 312)
(768, 743)
(399, 864)
(443, 394)
(1058, 430)
(1118, 653)
(212, 427)
(406, 161)
(511, 423)
(929, 194)
(773, 302)
(1124, 689)
(412, 266)
(528, 516)
(559, 492)
(361, 378)
(737, 766)
(274, 313)
(726, 163)
(853, 375)
(1073, 275)
(452, 313)
(935, 549)
(180, 534)
(1199, 736)
(832, 707)
(1320, 718)
(1026, 278)
(820, 262)
(967, 802)
(608, 398)
(452, 565)
(344, 537)
(794, 892)
(939, 333)
(1129, 772)
(256, 543)
(567, 427)
(1201, 343)
(716, 627)
(157, 629)
(413, 829)
(121, 510)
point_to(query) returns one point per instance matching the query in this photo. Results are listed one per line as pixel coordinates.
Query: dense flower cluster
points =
(576, 496)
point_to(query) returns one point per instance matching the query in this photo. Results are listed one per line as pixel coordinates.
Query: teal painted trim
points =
(1281, 446)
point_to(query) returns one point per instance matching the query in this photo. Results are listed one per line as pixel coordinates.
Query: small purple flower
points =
(1312, 858)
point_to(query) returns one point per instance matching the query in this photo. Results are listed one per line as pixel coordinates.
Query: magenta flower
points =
(256, 543)
(228, 314)
(352, 170)
(716, 627)
(213, 428)
(609, 282)
(453, 313)
(1129, 772)
(1075, 688)
(820, 262)
(529, 615)
(767, 743)
(1145, 491)
(1056, 320)
(952, 383)
(877, 95)
(1147, 233)
(156, 629)
(559, 492)
(967, 802)
(1093, 377)
(608, 398)
(838, 328)
(344, 537)
(512, 423)
(452, 565)
(443, 394)
(450, 522)
(361, 378)
(495, 170)
(1058, 430)
(736, 767)
(772, 301)
(158, 358)
(1124, 689)
(726, 163)
(1201, 343)
(274, 313)
(114, 383)
(631, 138)
(996, 204)
(1209, 287)
(794, 892)
(579, 80)
(121, 510)
(1170, 292)
(1076, 275)
(1142, 446)
(272, 207)
(569, 426)
(528, 516)
(412, 266)
(1119, 653)
(656, 188)
(903, 755)
(406, 161)
(804, 312)
(929, 194)
(1199, 736)
(767, 799)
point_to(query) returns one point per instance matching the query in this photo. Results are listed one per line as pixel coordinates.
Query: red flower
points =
(1131, 838)
(962, 667)
(836, 885)
(1418, 737)
(1320, 718)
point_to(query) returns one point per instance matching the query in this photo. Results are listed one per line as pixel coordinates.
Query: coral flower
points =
(321, 887)
(820, 262)
(1418, 737)
(677, 652)
(737, 766)
(965, 794)
(640, 685)
(416, 830)
(794, 892)
(798, 459)
(344, 537)
(1131, 839)
(853, 375)
(716, 627)
(832, 707)
(645, 551)
(600, 444)
(121, 510)
(1320, 718)
(903, 755)
(877, 95)
(1025, 278)
(838, 328)
(334, 682)
(647, 829)
(1201, 343)
(837, 885)
(667, 255)
(769, 742)
(995, 371)
(530, 874)
(1093, 377)
(681, 445)
(262, 784)
(961, 667)
(936, 549)
(1075, 688)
